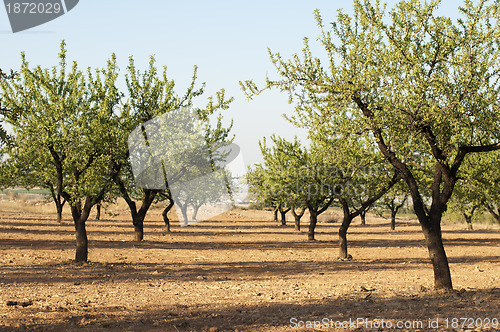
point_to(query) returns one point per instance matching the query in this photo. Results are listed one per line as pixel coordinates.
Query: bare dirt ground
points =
(241, 272)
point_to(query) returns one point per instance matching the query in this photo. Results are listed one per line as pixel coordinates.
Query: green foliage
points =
(64, 127)
(478, 189)
(423, 86)
(152, 94)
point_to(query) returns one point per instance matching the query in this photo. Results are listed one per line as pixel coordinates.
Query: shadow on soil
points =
(415, 310)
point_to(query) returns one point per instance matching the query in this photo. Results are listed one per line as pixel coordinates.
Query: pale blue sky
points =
(228, 40)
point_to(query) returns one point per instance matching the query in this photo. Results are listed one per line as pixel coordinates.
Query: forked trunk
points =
(138, 216)
(297, 216)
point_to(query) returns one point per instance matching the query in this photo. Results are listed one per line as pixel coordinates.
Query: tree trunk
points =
(363, 218)
(275, 215)
(283, 213)
(437, 254)
(80, 216)
(82, 244)
(393, 219)
(184, 213)
(195, 211)
(138, 216)
(59, 203)
(297, 216)
(346, 222)
(165, 215)
(59, 213)
(313, 220)
(297, 223)
(138, 222)
(98, 212)
(283, 218)
(468, 220)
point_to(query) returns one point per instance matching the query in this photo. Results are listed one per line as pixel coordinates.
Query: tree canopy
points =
(424, 86)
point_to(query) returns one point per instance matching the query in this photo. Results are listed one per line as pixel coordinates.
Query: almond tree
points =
(362, 176)
(65, 120)
(298, 177)
(151, 94)
(418, 82)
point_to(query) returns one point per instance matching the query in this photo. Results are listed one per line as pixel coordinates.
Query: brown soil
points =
(241, 272)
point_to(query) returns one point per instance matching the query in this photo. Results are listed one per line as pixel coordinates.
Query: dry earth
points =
(241, 272)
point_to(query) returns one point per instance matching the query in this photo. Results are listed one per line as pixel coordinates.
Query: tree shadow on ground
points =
(413, 310)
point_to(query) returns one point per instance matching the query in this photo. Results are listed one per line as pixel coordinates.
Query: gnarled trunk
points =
(165, 215)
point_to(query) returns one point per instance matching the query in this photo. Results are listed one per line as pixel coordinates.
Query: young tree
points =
(66, 120)
(363, 177)
(422, 86)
